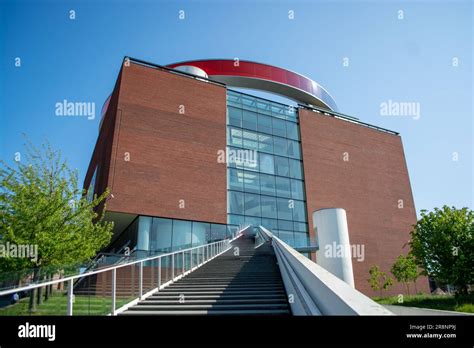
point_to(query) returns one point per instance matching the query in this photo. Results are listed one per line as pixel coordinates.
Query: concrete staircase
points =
(242, 281)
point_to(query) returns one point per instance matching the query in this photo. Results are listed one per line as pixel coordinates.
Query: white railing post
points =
(114, 290)
(70, 296)
(140, 280)
(172, 268)
(183, 268)
(159, 273)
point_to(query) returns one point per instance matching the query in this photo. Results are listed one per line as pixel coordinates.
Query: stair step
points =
(215, 301)
(140, 307)
(211, 312)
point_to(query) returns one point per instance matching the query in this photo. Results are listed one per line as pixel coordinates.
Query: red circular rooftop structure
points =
(269, 78)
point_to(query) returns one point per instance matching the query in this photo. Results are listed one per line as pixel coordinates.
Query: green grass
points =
(443, 302)
(56, 305)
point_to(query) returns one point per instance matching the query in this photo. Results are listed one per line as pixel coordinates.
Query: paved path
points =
(402, 310)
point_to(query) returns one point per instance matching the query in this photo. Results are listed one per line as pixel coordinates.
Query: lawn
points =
(56, 305)
(443, 302)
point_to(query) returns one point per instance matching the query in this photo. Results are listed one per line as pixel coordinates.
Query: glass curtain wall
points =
(154, 235)
(269, 189)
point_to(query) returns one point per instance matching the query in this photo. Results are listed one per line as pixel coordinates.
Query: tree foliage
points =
(41, 204)
(379, 280)
(443, 246)
(405, 270)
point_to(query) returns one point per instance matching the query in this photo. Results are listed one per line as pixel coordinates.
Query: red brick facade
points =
(363, 171)
(162, 146)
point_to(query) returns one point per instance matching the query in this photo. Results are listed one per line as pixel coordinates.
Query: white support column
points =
(332, 234)
(70, 296)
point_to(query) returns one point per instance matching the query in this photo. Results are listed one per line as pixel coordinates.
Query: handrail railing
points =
(314, 290)
(203, 253)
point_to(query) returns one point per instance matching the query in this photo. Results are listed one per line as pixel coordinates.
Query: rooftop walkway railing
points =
(313, 290)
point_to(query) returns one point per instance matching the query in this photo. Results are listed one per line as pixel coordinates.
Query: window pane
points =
(269, 208)
(283, 188)
(295, 169)
(201, 233)
(265, 143)
(250, 140)
(252, 204)
(270, 224)
(267, 184)
(264, 124)
(299, 212)
(287, 237)
(234, 116)
(284, 211)
(266, 163)
(297, 189)
(301, 239)
(285, 225)
(236, 202)
(292, 130)
(279, 146)
(294, 149)
(234, 137)
(281, 166)
(279, 127)
(300, 226)
(218, 232)
(278, 110)
(160, 240)
(249, 120)
(235, 219)
(248, 102)
(235, 179)
(250, 220)
(251, 182)
(263, 106)
(181, 234)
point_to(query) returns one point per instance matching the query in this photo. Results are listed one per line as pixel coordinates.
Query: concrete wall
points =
(368, 186)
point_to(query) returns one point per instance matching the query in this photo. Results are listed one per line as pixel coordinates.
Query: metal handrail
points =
(209, 251)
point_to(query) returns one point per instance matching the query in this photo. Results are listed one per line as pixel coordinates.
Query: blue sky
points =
(403, 60)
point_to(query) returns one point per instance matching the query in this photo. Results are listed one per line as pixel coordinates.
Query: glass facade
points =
(154, 235)
(270, 190)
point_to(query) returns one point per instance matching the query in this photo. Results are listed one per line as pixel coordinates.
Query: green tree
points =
(379, 280)
(41, 205)
(405, 270)
(443, 246)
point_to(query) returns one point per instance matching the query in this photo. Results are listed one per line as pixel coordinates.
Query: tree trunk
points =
(32, 304)
(414, 284)
(39, 297)
(408, 288)
(47, 289)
